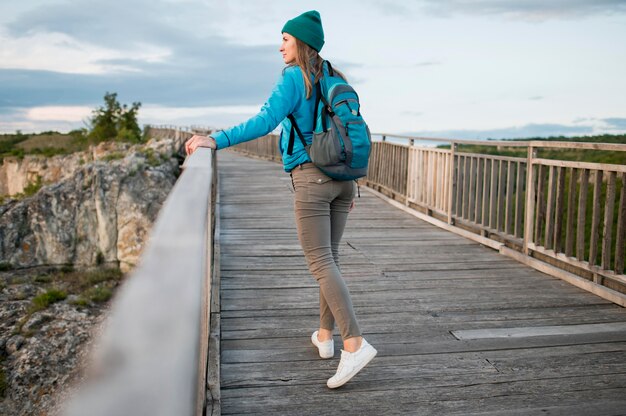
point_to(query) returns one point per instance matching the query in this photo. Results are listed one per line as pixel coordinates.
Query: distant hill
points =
(47, 143)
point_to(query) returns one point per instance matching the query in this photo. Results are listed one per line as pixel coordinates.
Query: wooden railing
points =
(537, 215)
(159, 354)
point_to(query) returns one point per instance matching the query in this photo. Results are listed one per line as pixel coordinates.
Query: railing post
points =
(530, 199)
(451, 184)
(409, 166)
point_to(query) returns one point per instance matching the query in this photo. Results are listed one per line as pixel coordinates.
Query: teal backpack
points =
(341, 139)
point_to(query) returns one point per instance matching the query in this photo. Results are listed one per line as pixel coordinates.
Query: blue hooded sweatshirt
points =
(288, 97)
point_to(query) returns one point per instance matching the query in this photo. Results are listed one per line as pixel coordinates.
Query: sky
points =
(466, 69)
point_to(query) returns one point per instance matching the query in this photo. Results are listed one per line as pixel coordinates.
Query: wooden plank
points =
(549, 235)
(595, 218)
(558, 220)
(535, 331)
(486, 187)
(478, 209)
(458, 206)
(493, 195)
(582, 165)
(541, 205)
(508, 229)
(472, 190)
(426, 394)
(508, 143)
(501, 196)
(621, 229)
(571, 201)
(448, 191)
(530, 201)
(466, 185)
(519, 200)
(452, 182)
(579, 145)
(493, 157)
(607, 232)
(582, 215)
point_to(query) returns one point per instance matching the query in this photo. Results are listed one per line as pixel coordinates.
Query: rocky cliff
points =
(54, 301)
(101, 213)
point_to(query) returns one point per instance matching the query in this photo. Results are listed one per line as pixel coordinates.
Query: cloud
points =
(392, 8)
(58, 113)
(138, 49)
(534, 10)
(615, 123)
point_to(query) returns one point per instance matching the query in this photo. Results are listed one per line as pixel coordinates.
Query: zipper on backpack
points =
(347, 103)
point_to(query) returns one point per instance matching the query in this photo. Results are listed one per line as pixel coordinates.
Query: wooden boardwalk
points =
(545, 347)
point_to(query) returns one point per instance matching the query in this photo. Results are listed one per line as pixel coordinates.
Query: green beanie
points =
(308, 28)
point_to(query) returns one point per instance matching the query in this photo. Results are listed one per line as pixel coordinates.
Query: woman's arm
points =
(282, 102)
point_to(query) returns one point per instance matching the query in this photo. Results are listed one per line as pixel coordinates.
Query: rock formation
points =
(100, 214)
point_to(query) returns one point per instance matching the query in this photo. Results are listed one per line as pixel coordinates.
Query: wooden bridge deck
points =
(545, 347)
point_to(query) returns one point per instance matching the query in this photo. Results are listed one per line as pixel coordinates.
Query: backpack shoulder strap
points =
(294, 126)
(331, 72)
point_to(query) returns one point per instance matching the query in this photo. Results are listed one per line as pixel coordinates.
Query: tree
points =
(115, 121)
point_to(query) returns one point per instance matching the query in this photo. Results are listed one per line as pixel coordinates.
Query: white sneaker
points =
(326, 348)
(351, 363)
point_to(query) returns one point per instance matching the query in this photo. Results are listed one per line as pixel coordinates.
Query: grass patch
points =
(43, 300)
(81, 302)
(78, 282)
(39, 303)
(33, 187)
(153, 158)
(98, 294)
(43, 278)
(113, 156)
(91, 286)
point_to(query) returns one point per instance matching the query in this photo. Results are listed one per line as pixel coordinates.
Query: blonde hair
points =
(310, 62)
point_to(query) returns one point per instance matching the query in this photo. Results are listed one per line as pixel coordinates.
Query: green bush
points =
(43, 300)
(32, 188)
(115, 122)
(113, 156)
(99, 294)
(153, 158)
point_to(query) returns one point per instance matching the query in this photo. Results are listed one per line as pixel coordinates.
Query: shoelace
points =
(341, 365)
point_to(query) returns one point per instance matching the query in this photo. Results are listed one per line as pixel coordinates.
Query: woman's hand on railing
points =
(199, 141)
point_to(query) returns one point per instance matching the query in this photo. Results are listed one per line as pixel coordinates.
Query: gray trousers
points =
(321, 206)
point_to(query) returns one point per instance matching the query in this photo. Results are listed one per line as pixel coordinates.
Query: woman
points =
(321, 203)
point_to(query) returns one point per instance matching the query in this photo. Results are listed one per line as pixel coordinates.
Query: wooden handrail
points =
(617, 147)
(152, 356)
